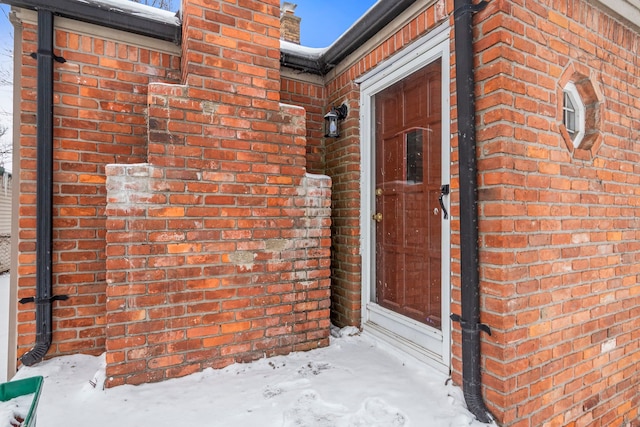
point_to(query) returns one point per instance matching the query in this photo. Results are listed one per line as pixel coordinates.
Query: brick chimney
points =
(289, 23)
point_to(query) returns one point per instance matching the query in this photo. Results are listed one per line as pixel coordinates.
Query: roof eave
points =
(374, 20)
(95, 13)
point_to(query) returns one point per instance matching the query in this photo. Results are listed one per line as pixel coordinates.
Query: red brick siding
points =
(99, 118)
(559, 228)
(203, 276)
(218, 249)
(559, 249)
(310, 96)
(343, 166)
(214, 250)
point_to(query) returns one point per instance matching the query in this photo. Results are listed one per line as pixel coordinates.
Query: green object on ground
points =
(18, 388)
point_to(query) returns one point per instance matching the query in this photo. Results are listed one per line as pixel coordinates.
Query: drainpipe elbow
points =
(476, 405)
(36, 354)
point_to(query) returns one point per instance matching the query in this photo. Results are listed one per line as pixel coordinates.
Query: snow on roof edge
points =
(136, 9)
(172, 18)
(307, 52)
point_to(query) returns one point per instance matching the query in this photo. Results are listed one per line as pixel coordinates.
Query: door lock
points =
(377, 217)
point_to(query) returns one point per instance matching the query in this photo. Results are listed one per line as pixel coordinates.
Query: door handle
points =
(377, 217)
(444, 191)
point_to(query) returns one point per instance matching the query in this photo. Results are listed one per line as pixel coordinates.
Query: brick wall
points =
(343, 166)
(218, 247)
(308, 92)
(340, 159)
(203, 276)
(187, 232)
(559, 225)
(222, 218)
(100, 106)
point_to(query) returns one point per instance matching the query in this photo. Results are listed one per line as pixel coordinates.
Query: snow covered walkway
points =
(352, 383)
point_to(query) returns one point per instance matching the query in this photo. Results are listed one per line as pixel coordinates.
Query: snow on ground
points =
(18, 407)
(351, 383)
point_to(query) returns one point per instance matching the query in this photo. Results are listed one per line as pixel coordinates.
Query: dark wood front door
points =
(408, 178)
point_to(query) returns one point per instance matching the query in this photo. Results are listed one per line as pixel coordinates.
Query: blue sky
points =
(323, 21)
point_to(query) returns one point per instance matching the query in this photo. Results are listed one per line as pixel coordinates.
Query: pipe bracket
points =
(55, 57)
(43, 300)
(468, 327)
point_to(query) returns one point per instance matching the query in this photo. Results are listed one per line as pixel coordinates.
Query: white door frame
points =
(423, 342)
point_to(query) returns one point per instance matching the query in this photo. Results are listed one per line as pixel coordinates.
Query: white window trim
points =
(433, 46)
(571, 89)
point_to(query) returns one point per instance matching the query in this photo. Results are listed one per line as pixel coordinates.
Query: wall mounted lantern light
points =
(331, 119)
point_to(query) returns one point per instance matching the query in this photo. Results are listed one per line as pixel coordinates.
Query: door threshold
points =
(403, 347)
